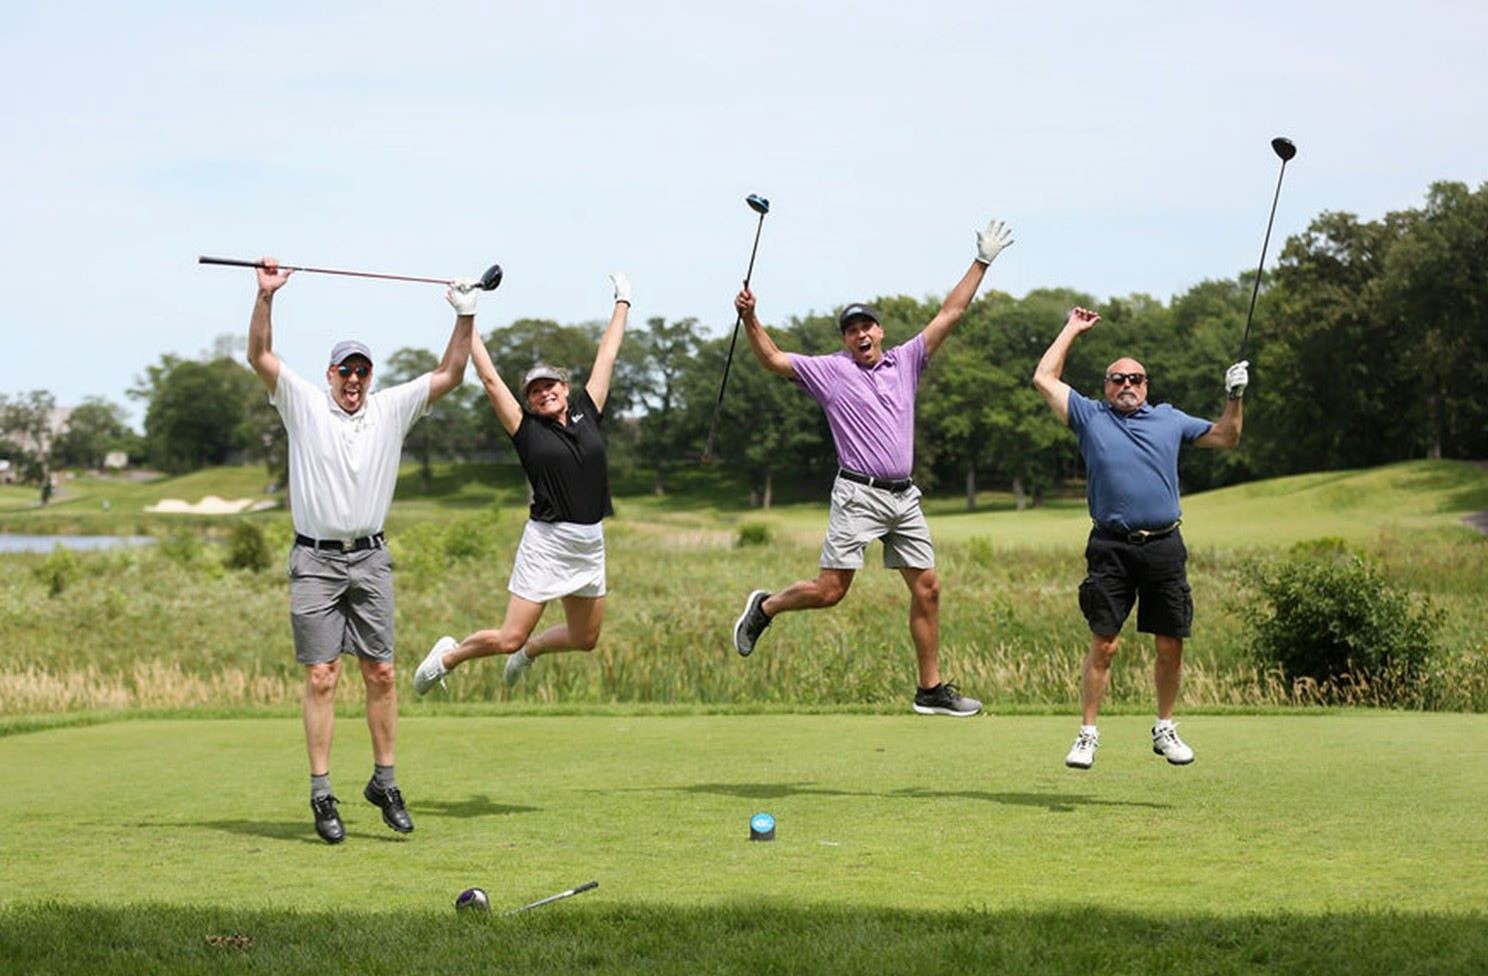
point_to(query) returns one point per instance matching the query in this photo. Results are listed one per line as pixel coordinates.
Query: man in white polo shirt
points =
(344, 448)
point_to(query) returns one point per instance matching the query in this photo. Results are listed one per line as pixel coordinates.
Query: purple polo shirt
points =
(870, 410)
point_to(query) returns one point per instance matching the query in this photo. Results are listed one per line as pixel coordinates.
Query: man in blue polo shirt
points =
(1135, 554)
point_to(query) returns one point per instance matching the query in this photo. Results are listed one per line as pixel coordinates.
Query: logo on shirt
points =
(575, 417)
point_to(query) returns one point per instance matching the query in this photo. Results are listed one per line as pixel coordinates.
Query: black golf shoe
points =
(327, 820)
(751, 623)
(394, 813)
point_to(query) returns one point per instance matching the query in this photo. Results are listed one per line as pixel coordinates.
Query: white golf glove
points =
(462, 295)
(991, 241)
(622, 286)
(1237, 377)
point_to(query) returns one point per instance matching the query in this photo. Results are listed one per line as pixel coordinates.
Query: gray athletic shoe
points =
(944, 699)
(432, 671)
(751, 623)
(517, 664)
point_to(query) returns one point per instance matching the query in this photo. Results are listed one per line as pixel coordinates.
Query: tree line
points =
(1367, 348)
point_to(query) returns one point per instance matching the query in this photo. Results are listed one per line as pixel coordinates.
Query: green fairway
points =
(1360, 506)
(1351, 817)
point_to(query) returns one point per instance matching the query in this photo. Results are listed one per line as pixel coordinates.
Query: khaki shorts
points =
(861, 514)
(341, 603)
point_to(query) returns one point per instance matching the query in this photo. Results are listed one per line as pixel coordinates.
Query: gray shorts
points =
(341, 603)
(861, 514)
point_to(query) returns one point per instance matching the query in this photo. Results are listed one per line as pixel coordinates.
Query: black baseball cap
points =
(857, 310)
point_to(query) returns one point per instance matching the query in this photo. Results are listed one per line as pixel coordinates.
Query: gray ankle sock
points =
(320, 785)
(383, 777)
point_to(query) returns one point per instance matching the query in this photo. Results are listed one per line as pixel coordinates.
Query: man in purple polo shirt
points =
(869, 395)
(1135, 551)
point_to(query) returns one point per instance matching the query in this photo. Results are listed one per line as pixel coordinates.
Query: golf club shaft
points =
(733, 340)
(234, 262)
(558, 897)
(1256, 288)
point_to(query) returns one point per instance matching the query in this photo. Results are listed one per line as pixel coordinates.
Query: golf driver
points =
(586, 886)
(1284, 148)
(760, 206)
(487, 282)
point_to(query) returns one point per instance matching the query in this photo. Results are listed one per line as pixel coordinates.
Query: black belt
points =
(887, 484)
(375, 541)
(1137, 536)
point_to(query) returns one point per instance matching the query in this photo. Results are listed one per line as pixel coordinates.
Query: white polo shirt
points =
(343, 467)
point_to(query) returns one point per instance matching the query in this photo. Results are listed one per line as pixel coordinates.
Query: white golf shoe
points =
(1082, 753)
(432, 671)
(1165, 743)
(516, 666)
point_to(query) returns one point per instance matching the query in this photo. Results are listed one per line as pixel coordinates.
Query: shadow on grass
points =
(1053, 802)
(292, 831)
(475, 806)
(754, 937)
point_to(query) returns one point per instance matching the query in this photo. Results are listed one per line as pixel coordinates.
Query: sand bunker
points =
(210, 505)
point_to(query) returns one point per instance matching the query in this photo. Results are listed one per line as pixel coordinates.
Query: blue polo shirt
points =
(1131, 460)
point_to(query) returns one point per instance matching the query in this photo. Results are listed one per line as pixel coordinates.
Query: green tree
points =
(666, 350)
(447, 431)
(195, 411)
(1325, 360)
(1433, 289)
(29, 423)
(94, 429)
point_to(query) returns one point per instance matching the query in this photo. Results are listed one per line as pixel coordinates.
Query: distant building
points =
(116, 460)
(7, 472)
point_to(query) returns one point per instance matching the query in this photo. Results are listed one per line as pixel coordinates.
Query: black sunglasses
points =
(361, 371)
(1120, 379)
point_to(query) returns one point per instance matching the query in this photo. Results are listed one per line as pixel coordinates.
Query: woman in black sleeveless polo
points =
(561, 556)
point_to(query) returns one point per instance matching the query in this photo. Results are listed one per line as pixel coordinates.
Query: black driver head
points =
(758, 204)
(1283, 147)
(491, 278)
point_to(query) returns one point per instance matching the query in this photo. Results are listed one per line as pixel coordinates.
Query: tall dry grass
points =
(170, 627)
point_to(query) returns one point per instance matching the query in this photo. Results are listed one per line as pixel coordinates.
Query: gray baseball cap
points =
(857, 310)
(542, 371)
(347, 348)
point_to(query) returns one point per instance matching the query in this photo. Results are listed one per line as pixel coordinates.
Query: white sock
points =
(1089, 730)
(1161, 724)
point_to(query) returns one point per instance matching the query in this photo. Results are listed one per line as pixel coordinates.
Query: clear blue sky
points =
(1126, 143)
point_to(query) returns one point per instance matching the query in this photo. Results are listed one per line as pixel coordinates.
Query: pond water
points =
(46, 543)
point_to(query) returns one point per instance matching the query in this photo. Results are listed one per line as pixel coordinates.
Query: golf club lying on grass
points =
(487, 282)
(760, 206)
(1284, 148)
(586, 886)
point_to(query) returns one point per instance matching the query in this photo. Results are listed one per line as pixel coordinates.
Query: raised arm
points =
(1226, 431)
(764, 347)
(261, 326)
(508, 411)
(598, 385)
(1051, 366)
(990, 243)
(450, 372)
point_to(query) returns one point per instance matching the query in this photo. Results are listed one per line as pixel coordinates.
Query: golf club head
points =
(1283, 147)
(759, 204)
(491, 278)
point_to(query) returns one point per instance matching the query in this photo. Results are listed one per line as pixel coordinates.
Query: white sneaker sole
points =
(937, 710)
(1171, 760)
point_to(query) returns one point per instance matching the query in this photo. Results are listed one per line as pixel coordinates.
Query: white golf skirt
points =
(558, 559)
